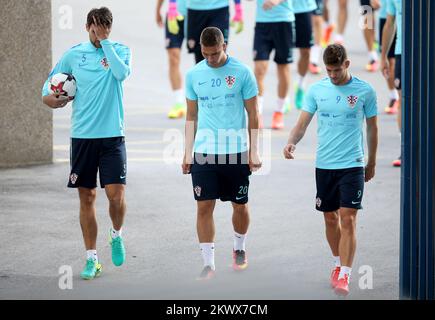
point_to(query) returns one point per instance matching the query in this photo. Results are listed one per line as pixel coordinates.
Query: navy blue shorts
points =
(341, 188)
(304, 30)
(274, 35)
(365, 3)
(320, 7)
(398, 73)
(224, 177)
(89, 156)
(174, 40)
(198, 20)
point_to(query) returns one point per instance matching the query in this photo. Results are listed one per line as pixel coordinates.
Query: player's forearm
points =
(119, 69)
(253, 131)
(372, 143)
(296, 135)
(47, 102)
(190, 127)
(159, 5)
(189, 135)
(387, 38)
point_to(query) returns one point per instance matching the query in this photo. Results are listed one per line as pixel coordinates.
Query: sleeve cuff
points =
(106, 42)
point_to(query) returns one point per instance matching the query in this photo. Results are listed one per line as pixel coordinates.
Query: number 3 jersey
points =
(220, 94)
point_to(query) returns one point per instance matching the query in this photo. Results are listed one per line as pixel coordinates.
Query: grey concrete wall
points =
(26, 134)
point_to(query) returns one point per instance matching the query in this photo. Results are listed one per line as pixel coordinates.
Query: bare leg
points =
(342, 16)
(205, 223)
(116, 195)
(260, 72)
(283, 80)
(174, 68)
(333, 231)
(88, 219)
(240, 218)
(348, 236)
(304, 61)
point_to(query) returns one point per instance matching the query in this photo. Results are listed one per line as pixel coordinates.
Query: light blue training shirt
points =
(220, 94)
(97, 109)
(302, 6)
(340, 116)
(279, 13)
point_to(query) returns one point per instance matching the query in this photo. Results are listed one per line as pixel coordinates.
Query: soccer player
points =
(211, 13)
(394, 17)
(392, 106)
(174, 33)
(304, 41)
(274, 29)
(219, 91)
(97, 131)
(341, 101)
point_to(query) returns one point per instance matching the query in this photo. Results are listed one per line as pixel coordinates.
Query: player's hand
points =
(173, 17)
(269, 4)
(375, 4)
(101, 31)
(369, 172)
(55, 101)
(254, 162)
(385, 68)
(187, 164)
(289, 150)
(237, 21)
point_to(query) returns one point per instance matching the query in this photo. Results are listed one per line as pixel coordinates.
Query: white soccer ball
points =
(63, 84)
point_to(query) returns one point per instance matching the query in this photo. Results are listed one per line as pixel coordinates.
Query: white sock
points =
(280, 104)
(315, 54)
(301, 81)
(179, 96)
(91, 254)
(373, 55)
(339, 38)
(239, 241)
(345, 271)
(394, 94)
(260, 101)
(114, 233)
(207, 251)
(336, 261)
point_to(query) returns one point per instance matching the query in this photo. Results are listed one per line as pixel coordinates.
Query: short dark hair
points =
(211, 37)
(103, 15)
(334, 55)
